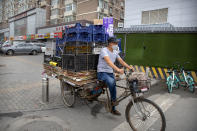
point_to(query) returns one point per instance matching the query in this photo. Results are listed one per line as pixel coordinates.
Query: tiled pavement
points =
(29, 97)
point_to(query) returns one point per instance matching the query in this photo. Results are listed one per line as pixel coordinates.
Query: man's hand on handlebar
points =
(121, 71)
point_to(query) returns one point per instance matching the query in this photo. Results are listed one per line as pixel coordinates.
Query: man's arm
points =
(124, 63)
(111, 64)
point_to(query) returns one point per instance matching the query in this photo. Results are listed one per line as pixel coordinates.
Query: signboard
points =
(56, 35)
(108, 23)
(47, 35)
(98, 21)
(120, 24)
(24, 37)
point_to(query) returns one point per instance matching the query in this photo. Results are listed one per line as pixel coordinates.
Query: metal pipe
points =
(125, 43)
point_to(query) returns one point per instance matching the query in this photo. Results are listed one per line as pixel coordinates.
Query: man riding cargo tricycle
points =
(100, 85)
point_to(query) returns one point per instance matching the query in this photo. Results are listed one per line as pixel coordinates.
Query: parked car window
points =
(28, 45)
(21, 45)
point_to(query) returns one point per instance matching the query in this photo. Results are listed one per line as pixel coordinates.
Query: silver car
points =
(20, 48)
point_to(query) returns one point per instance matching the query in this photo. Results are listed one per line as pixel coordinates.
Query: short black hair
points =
(112, 40)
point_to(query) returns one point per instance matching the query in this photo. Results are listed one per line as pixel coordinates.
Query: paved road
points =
(21, 106)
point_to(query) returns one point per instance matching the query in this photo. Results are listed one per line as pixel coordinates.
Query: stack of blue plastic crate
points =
(79, 33)
(80, 36)
(99, 35)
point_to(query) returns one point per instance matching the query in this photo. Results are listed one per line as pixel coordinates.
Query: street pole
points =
(125, 43)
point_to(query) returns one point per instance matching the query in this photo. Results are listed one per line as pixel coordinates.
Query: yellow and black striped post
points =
(159, 73)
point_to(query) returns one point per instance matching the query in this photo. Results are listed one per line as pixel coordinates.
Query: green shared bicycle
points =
(180, 78)
(172, 80)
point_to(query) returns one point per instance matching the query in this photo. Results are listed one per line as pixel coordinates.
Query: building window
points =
(54, 2)
(155, 16)
(101, 3)
(69, 18)
(70, 7)
(122, 3)
(55, 12)
(20, 27)
(54, 21)
(110, 10)
(106, 5)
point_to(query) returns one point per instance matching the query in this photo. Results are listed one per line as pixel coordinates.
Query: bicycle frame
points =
(174, 78)
(184, 76)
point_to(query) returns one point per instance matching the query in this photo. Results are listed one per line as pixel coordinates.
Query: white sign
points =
(120, 24)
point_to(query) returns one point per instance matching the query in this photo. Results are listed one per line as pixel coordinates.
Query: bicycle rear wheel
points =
(145, 115)
(67, 93)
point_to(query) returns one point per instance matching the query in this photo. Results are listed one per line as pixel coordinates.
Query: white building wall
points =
(181, 13)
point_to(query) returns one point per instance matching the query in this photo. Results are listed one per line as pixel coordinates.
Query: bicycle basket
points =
(139, 86)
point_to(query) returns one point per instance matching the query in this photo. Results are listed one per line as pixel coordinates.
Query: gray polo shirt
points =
(102, 65)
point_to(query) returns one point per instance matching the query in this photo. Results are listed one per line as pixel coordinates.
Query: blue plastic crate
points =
(85, 29)
(71, 37)
(74, 29)
(83, 37)
(78, 28)
(99, 38)
(98, 29)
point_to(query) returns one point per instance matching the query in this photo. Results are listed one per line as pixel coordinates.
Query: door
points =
(20, 48)
(29, 48)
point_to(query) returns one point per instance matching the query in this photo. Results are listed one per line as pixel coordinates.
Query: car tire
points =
(10, 52)
(34, 52)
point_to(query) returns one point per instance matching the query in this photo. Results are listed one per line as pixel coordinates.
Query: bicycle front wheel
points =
(191, 85)
(145, 115)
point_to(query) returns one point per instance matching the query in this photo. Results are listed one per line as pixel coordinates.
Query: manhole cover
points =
(41, 126)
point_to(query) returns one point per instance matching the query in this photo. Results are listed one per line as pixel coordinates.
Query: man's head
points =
(113, 43)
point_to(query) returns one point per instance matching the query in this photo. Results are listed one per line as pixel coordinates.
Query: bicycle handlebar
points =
(178, 66)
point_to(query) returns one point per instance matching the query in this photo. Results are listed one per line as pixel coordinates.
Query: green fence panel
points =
(161, 50)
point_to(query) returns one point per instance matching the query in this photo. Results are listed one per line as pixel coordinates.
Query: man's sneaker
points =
(115, 112)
